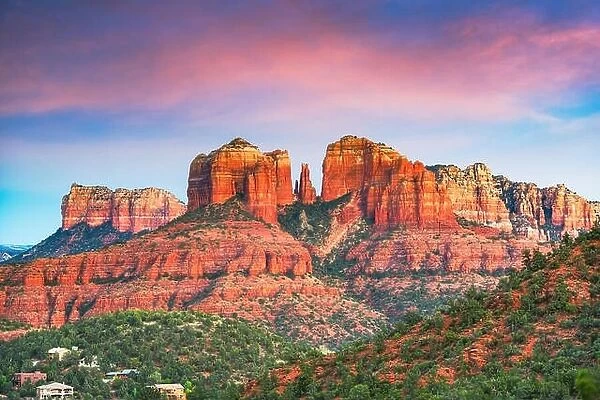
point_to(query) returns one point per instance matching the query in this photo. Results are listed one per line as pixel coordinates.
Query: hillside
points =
(78, 239)
(536, 336)
(400, 270)
(211, 356)
(218, 259)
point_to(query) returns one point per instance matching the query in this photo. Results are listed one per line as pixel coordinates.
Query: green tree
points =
(359, 392)
(587, 385)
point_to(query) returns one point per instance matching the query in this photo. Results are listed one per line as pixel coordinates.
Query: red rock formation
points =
(169, 268)
(461, 251)
(394, 191)
(474, 195)
(479, 198)
(283, 176)
(566, 210)
(127, 210)
(545, 214)
(239, 167)
(306, 191)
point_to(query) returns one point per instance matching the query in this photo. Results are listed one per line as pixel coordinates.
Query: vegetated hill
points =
(399, 270)
(8, 251)
(78, 239)
(218, 259)
(211, 356)
(400, 236)
(536, 336)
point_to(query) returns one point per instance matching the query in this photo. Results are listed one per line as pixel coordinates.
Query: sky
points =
(126, 93)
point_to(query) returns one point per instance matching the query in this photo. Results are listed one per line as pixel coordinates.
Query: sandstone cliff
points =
(126, 210)
(480, 198)
(240, 168)
(545, 213)
(474, 195)
(393, 190)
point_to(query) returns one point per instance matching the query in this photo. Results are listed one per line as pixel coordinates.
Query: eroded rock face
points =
(306, 192)
(463, 251)
(170, 268)
(127, 210)
(474, 195)
(545, 213)
(240, 168)
(393, 190)
(566, 211)
(480, 198)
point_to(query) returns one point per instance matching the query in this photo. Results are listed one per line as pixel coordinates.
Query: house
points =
(21, 377)
(123, 374)
(173, 391)
(53, 391)
(89, 363)
(58, 353)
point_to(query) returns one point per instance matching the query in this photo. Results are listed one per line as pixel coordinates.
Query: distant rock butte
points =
(264, 180)
(394, 191)
(128, 210)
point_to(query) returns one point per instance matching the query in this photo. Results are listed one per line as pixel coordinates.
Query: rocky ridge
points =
(127, 210)
(218, 259)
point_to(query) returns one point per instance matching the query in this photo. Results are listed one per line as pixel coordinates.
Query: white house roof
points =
(55, 385)
(169, 386)
(57, 350)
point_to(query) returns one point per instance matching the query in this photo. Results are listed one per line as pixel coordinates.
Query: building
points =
(173, 391)
(58, 353)
(53, 391)
(89, 363)
(123, 374)
(21, 377)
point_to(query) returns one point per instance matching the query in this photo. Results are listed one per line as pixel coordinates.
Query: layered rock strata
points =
(127, 210)
(170, 268)
(545, 213)
(480, 198)
(394, 191)
(263, 180)
(474, 195)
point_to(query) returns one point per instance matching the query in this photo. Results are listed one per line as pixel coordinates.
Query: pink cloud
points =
(484, 68)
